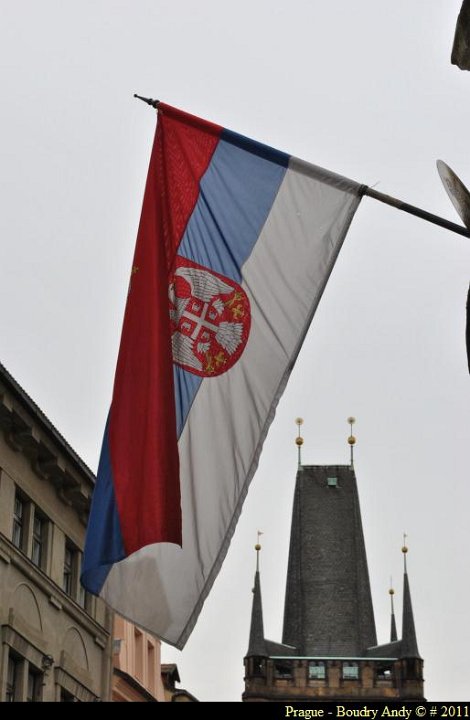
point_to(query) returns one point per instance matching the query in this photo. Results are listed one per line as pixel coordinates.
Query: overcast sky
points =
(365, 89)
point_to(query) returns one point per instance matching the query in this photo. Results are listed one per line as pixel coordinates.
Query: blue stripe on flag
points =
(236, 195)
(186, 386)
(256, 148)
(104, 538)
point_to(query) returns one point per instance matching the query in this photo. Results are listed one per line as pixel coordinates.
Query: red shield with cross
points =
(210, 319)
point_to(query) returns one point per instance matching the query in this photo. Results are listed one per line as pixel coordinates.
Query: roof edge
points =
(21, 394)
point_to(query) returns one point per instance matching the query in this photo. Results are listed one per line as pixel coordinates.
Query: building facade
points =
(137, 674)
(329, 648)
(56, 640)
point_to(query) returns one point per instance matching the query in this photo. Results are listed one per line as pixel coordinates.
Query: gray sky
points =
(365, 89)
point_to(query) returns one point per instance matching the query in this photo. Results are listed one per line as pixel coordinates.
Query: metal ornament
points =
(456, 190)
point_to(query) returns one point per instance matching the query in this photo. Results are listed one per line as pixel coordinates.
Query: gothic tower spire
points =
(393, 625)
(257, 645)
(409, 645)
(329, 647)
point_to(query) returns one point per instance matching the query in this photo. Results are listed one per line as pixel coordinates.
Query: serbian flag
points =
(235, 246)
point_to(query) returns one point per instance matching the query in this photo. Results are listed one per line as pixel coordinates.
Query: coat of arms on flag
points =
(210, 319)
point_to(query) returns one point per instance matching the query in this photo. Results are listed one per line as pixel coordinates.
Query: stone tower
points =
(329, 647)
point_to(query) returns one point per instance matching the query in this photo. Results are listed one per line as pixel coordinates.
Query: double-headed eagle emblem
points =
(210, 317)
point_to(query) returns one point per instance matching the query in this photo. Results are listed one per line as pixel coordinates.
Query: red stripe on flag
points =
(142, 427)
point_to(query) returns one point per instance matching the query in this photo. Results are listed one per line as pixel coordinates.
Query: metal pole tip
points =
(149, 101)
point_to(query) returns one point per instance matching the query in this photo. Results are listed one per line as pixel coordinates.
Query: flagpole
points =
(387, 199)
(149, 101)
(423, 214)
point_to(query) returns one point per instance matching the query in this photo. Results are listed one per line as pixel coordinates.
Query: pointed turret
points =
(393, 625)
(409, 645)
(257, 645)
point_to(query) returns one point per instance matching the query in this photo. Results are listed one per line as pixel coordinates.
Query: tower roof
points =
(328, 606)
(393, 625)
(393, 629)
(257, 645)
(409, 645)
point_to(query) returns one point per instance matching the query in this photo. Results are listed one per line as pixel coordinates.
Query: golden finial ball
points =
(299, 421)
(299, 441)
(351, 420)
(391, 591)
(257, 547)
(351, 440)
(404, 549)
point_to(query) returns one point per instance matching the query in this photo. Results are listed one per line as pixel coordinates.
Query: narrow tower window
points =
(316, 670)
(350, 671)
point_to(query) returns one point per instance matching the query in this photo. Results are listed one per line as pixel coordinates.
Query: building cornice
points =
(28, 431)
